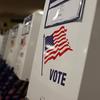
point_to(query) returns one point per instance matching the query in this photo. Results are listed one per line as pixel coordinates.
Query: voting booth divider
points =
(7, 47)
(64, 64)
(1, 41)
(4, 43)
(14, 44)
(30, 31)
(21, 43)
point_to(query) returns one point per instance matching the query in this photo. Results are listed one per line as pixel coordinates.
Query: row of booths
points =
(19, 44)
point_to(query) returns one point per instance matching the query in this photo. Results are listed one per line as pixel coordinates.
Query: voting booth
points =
(67, 59)
(1, 41)
(7, 48)
(4, 43)
(28, 42)
(13, 45)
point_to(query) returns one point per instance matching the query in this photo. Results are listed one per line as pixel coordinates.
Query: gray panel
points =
(90, 87)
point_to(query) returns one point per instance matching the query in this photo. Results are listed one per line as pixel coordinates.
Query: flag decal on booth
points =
(56, 44)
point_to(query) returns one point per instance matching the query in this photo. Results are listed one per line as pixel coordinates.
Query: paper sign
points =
(56, 12)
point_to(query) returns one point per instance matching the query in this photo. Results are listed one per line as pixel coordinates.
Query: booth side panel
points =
(90, 88)
(43, 82)
(34, 31)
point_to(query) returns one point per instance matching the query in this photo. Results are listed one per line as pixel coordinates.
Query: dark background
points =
(13, 11)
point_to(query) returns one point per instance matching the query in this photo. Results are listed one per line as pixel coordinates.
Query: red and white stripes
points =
(61, 45)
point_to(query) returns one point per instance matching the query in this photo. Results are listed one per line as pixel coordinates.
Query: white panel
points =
(69, 66)
(14, 44)
(1, 41)
(28, 45)
(7, 46)
(5, 39)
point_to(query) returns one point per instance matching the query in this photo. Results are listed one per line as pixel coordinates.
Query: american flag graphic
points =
(56, 44)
